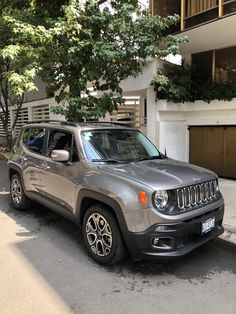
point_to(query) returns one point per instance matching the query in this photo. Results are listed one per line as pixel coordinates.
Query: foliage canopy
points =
(81, 49)
(93, 48)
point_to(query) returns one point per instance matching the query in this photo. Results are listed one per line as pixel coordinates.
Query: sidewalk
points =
(228, 189)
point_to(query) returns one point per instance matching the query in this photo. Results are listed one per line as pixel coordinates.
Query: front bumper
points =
(175, 239)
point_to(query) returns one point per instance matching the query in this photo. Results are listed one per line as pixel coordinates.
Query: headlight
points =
(161, 200)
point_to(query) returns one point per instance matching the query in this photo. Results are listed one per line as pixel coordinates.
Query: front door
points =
(58, 179)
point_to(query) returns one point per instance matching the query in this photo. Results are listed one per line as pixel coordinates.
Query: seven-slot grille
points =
(196, 195)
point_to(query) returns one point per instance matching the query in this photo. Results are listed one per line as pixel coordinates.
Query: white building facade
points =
(198, 132)
(202, 133)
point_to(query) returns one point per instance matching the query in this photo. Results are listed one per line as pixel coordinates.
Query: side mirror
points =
(60, 155)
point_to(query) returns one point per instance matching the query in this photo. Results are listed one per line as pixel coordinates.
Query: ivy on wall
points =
(181, 84)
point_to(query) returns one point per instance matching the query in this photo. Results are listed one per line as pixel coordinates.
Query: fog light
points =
(163, 243)
(155, 241)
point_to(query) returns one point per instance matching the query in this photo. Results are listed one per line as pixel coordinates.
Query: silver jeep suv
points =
(114, 183)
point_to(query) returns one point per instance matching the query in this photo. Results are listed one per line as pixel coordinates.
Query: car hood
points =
(162, 174)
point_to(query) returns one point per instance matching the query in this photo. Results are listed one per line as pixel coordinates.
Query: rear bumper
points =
(175, 239)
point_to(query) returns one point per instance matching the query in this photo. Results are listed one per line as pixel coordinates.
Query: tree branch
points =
(2, 88)
(4, 122)
(2, 107)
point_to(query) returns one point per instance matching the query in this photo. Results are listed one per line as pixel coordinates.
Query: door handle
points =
(45, 166)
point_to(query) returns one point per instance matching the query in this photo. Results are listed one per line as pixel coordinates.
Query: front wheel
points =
(102, 236)
(18, 198)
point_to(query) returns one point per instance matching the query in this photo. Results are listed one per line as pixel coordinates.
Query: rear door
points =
(31, 159)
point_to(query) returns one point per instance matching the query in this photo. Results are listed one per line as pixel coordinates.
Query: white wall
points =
(167, 123)
(173, 139)
(38, 94)
(141, 82)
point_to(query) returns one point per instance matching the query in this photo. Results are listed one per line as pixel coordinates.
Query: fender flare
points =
(12, 166)
(102, 198)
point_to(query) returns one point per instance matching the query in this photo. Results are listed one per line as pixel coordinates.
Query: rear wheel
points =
(18, 198)
(102, 236)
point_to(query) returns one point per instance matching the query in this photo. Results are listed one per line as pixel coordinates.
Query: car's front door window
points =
(59, 140)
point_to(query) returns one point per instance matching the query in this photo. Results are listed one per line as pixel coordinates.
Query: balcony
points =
(194, 12)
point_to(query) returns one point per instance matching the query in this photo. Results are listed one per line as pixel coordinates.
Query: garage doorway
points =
(214, 147)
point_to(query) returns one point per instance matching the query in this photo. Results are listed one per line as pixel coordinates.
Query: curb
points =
(230, 228)
(228, 235)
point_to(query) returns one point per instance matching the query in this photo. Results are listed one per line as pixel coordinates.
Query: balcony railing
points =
(194, 12)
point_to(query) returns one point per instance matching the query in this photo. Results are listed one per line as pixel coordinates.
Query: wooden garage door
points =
(214, 148)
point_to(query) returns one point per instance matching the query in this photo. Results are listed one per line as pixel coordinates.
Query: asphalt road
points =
(44, 269)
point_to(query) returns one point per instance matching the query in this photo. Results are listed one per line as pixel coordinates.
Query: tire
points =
(102, 236)
(18, 198)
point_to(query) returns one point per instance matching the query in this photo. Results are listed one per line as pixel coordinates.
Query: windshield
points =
(118, 145)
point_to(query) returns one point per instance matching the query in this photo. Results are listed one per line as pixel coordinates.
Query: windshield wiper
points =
(147, 158)
(115, 161)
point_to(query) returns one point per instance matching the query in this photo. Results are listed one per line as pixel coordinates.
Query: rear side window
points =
(33, 139)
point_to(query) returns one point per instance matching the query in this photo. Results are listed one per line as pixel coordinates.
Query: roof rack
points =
(71, 123)
(110, 122)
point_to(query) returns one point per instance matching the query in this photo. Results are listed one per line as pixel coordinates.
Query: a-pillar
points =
(153, 123)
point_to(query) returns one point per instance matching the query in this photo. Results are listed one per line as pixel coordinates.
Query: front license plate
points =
(208, 225)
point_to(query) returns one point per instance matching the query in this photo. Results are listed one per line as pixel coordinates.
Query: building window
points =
(194, 7)
(225, 65)
(221, 68)
(202, 65)
(198, 12)
(193, 12)
(165, 8)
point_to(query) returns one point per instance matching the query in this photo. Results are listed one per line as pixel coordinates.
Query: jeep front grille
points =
(196, 195)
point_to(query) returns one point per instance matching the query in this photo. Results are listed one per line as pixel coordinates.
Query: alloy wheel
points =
(16, 191)
(99, 234)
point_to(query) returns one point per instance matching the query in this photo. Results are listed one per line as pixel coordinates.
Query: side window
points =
(34, 140)
(59, 139)
(25, 136)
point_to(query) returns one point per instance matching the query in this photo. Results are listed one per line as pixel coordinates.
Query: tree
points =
(22, 40)
(92, 49)
(15, 72)
(78, 47)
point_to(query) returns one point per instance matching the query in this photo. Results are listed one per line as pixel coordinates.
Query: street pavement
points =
(44, 269)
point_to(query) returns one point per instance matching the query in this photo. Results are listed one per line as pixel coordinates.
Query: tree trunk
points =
(8, 137)
(73, 115)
